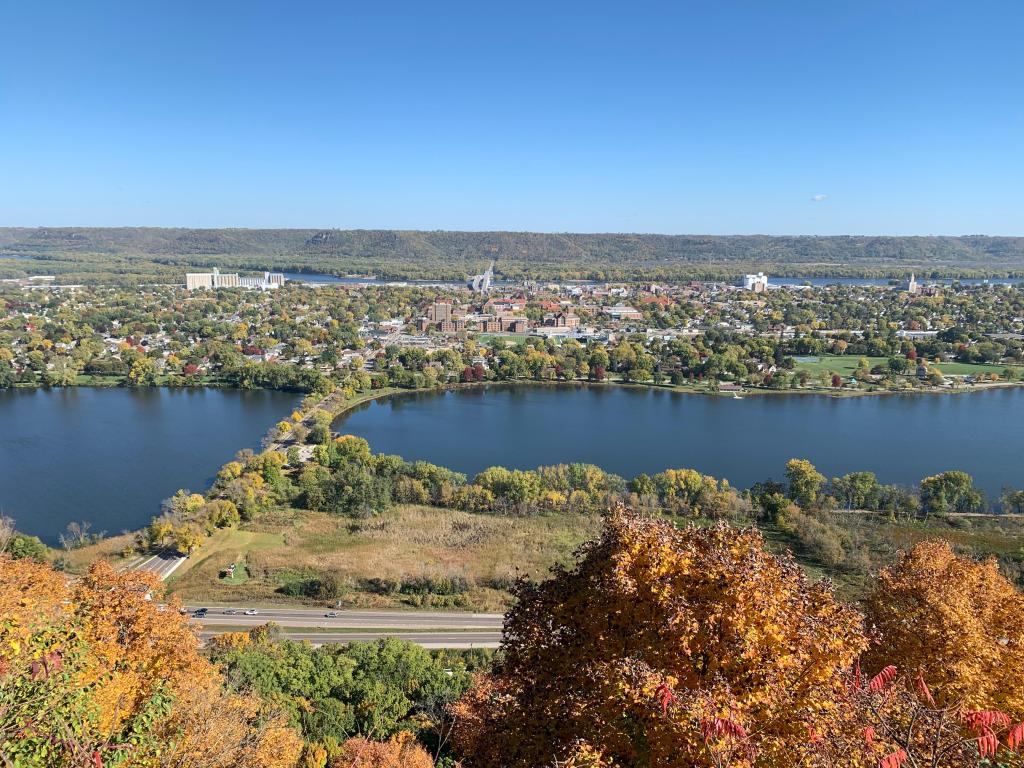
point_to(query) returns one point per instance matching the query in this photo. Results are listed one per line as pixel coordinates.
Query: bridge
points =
(482, 283)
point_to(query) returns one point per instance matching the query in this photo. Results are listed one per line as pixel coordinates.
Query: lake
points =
(109, 456)
(901, 438)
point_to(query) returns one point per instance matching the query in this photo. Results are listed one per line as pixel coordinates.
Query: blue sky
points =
(719, 116)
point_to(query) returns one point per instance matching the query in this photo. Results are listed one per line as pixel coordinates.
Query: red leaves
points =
(988, 743)
(97, 760)
(985, 722)
(985, 719)
(922, 689)
(869, 735)
(665, 696)
(712, 728)
(42, 668)
(894, 759)
(1016, 736)
(882, 680)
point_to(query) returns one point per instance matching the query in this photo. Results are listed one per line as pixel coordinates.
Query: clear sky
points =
(717, 116)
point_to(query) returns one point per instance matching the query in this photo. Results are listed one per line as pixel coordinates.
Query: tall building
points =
(757, 283)
(912, 285)
(440, 311)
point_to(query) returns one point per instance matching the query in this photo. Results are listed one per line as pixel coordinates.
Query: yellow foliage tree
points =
(655, 633)
(958, 622)
(99, 673)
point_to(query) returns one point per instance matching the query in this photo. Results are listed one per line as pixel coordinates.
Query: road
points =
(431, 629)
(163, 563)
(377, 620)
(469, 639)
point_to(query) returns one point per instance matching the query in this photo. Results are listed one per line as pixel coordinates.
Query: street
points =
(429, 629)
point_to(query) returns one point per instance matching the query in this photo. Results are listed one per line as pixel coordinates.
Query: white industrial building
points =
(214, 279)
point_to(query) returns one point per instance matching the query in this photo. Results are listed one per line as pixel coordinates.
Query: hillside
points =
(90, 253)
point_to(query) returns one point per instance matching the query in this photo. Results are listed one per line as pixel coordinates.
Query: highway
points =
(431, 629)
(470, 639)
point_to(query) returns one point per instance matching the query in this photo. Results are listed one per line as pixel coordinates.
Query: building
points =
(562, 320)
(623, 312)
(440, 312)
(757, 283)
(215, 279)
(913, 287)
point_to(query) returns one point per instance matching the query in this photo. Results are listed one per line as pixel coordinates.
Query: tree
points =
(704, 617)
(142, 372)
(401, 751)
(23, 546)
(97, 674)
(949, 492)
(958, 622)
(804, 481)
(188, 538)
(857, 490)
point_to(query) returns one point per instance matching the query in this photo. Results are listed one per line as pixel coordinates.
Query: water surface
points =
(901, 438)
(109, 456)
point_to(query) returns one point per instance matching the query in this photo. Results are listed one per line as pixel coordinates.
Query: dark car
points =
(201, 613)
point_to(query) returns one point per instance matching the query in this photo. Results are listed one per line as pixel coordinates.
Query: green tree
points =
(804, 481)
(948, 492)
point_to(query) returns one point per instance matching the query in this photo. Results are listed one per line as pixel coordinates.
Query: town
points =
(709, 336)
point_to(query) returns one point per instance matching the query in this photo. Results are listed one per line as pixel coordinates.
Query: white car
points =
(251, 612)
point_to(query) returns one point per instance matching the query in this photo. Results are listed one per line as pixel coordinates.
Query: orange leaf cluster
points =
(957, 623)
(699, 623)
(401, 751)
(102, 661)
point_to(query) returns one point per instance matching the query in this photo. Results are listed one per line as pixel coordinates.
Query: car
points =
(251, 612)
(230, 611)
(201, 613)
(331, 615)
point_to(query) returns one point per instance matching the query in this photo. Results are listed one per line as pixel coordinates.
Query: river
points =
(901, 438)
(109, 456)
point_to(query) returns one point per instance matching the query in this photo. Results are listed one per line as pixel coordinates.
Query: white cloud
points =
(818, 198)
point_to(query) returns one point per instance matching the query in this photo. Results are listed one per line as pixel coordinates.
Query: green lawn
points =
(845, 365)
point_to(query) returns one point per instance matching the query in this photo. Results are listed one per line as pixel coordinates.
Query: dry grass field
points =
(480, 553)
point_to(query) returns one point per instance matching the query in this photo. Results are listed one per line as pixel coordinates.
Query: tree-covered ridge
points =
(441, 254)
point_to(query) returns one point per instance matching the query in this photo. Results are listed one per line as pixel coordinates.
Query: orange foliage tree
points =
(662, 646)
(97, 673)
(893, 720)
(401, 751)
(957, 622)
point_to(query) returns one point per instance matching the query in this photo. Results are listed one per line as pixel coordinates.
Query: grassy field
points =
(486, 552)
(407, 543)
(845, 365)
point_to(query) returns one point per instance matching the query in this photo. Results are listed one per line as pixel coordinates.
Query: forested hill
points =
(161, 253)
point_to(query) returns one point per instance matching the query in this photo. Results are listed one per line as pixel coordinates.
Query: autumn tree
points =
(96, 673)
(697, 620)
(400, 751)
(958, 622)
(805, 482)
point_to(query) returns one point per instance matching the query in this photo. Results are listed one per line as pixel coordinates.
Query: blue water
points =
(109, 456)
(902, 438)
